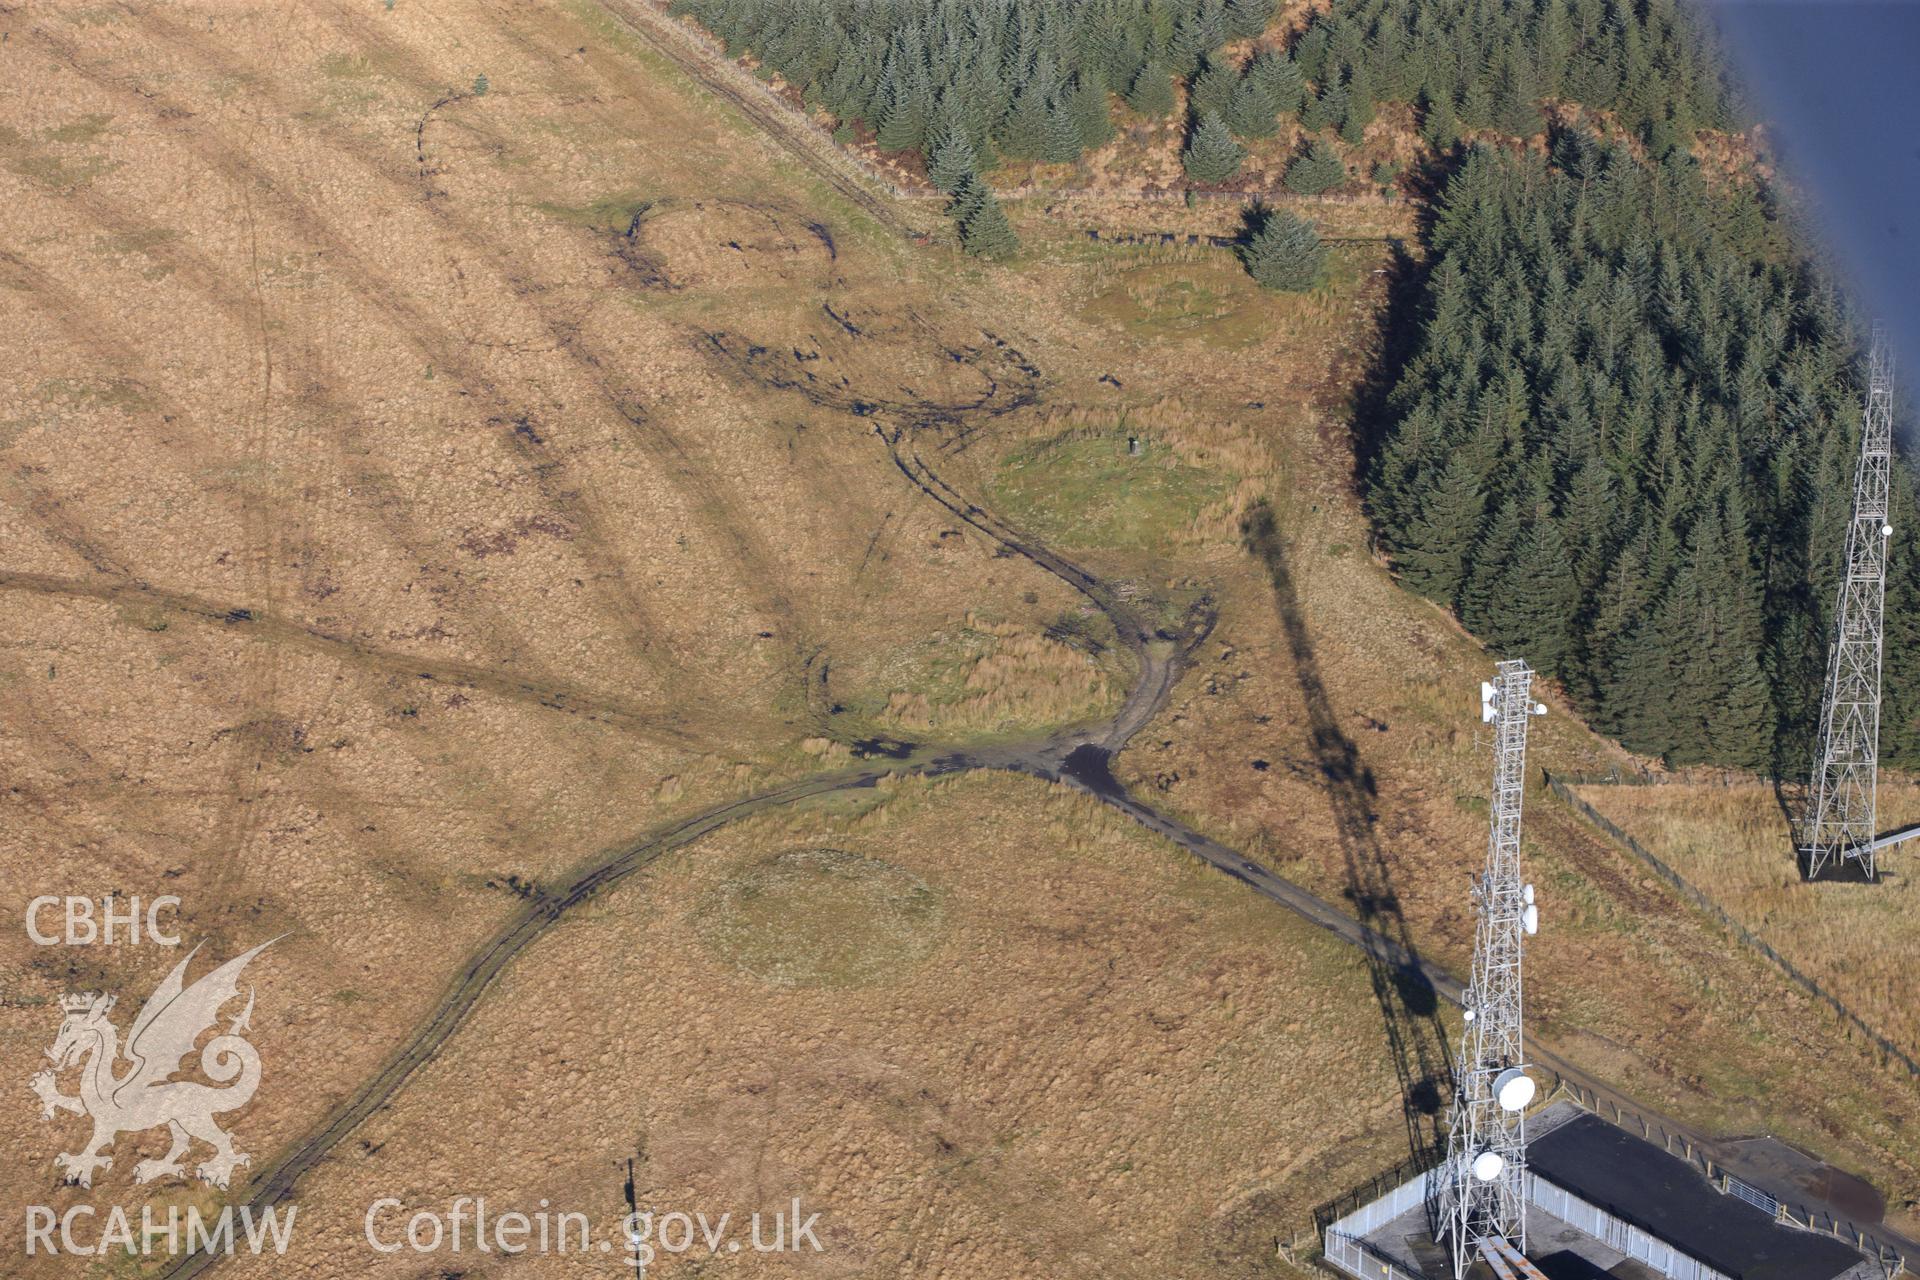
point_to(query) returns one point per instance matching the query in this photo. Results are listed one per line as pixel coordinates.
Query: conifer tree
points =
(1432, 554)
(1087, 105)
(1252, 111)
(1515, 99)
(903, 127)
(1479, 599)
(1151, 93)
(1212, 92)
(1062, 134)
(1318, 170)
(1248, 18)
(1438, 124)
(1212, 155)
(1644, 712)
(1327, 110)
(1202, 30)
(984, 229)
(1278, 75)
(1540, 597)
(1310, 52)
(953, 165)
(1023, 135)
(1615, 612)
(1360, 109)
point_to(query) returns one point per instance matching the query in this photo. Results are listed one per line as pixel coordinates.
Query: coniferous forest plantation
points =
(1616, 423)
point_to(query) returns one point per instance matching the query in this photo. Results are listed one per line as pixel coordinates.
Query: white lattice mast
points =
(1840, 812)
(1482, 1186)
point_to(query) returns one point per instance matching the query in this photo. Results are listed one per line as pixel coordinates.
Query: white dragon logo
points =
(144, 1097)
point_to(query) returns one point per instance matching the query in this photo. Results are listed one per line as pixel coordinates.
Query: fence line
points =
(1355, 1259)
(1341, 1206)
(1389, 1194)
(1617, 1233)
(1208, 240)
(861, 168)
(1740, 932)
(1344, 1244)
(1641, 776)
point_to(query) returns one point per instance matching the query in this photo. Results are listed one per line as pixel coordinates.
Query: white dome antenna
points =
(1513, 1089)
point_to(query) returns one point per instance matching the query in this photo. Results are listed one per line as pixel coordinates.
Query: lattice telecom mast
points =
(1840, 817)
(1482, 1186)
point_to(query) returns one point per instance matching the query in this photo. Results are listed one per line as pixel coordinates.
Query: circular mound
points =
(726, 243)
(821, 918)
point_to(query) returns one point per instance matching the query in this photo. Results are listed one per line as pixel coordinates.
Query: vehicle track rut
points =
(1077, 757)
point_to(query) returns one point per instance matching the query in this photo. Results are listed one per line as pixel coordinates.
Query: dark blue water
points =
(1839, 83)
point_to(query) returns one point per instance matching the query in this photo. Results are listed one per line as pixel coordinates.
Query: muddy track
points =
(662, 34)
(1062, 756)
(1076, 757)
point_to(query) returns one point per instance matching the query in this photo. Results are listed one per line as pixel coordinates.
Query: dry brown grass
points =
(1091, 1057)
(1733, 844)
(528, 568)
(381, 534)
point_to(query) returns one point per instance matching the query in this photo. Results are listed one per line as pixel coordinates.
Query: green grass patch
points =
(822, 918)
(1208, 298)
(614, 212)
(87, 128)
(80, 393)
(1088, 491)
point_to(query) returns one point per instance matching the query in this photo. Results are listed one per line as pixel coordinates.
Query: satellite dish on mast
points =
(1489, 709)
(1487, 1165)
(1530, 919)
(1513, 1089)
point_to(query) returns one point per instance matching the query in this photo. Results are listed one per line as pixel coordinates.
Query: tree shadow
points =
(1369, 407)
(1409, 1005)
(1398, 320)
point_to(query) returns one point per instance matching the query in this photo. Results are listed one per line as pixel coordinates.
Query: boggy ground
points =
(418, 493)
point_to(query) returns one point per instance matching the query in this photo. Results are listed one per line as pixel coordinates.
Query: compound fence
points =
(1354, 1259)
(1342, 1223)
(1344, 1247)
(1752, 1195)
(1560, 787)
(1617, 1233)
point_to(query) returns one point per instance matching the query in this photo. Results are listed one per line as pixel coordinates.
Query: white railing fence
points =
(1344, 1248)
(1356, 1259)
(1614, 1232)
(1753, 1196)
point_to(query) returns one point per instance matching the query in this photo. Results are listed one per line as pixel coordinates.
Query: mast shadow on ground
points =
(1409, 1005)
